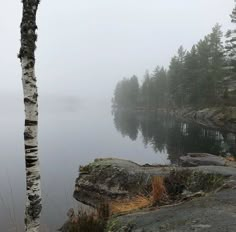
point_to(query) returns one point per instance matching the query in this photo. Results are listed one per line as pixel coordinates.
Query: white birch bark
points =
(27, 57)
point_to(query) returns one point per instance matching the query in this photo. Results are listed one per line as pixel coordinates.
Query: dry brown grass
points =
(128, 205)
(231, 158)
(158, 195)
(159, 192)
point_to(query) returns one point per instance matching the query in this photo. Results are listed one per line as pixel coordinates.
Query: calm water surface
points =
(76, 137)
(67, 140)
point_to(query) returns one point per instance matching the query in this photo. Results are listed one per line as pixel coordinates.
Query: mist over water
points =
(71, 133)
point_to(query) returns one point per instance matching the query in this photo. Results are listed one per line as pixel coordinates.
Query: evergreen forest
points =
(204, 76)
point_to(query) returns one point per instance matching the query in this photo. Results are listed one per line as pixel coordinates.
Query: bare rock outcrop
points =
(201, 159)
(213, 211)
(106, 179)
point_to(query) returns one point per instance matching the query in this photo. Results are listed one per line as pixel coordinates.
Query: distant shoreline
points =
(222, 118)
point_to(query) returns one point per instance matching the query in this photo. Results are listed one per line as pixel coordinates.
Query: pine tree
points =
(176, 78)
(230, 58)
(126, 94)
(216, 63)
(145, 90)
(192, 80)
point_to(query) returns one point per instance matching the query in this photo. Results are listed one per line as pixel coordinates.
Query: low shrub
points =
(186, 180)
(87, 221)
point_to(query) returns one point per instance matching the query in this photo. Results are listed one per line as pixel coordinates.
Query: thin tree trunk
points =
(27, 58)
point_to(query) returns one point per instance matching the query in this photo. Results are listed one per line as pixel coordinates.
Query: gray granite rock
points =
(201, 159)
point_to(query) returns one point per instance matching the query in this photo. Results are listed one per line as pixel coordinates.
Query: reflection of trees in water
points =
(154, 131)
(127, 123)
(193, 138)
(166, 134)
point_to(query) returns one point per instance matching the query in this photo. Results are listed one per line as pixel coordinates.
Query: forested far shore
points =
(205, 76)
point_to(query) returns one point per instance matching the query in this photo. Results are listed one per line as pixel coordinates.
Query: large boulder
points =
(106, 179)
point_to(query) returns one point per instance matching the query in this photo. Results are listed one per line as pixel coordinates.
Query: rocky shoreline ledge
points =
(197, 195)
(223, 118)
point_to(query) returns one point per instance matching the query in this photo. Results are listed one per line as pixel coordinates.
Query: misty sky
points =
(85, 47)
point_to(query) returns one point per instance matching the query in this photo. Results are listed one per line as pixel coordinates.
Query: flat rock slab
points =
(213, 213)
(201, 159)
(222, 170)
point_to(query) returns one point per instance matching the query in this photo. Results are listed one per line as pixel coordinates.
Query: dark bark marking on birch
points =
(28, 136)
(30, 147)
(31, 151)
(35, 96)
(29, 101)
(31, 123)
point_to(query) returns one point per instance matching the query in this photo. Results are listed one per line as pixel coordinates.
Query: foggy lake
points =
(143, 56)
(77, 135)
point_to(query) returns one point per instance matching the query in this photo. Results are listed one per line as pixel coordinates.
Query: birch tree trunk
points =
(27, 58)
